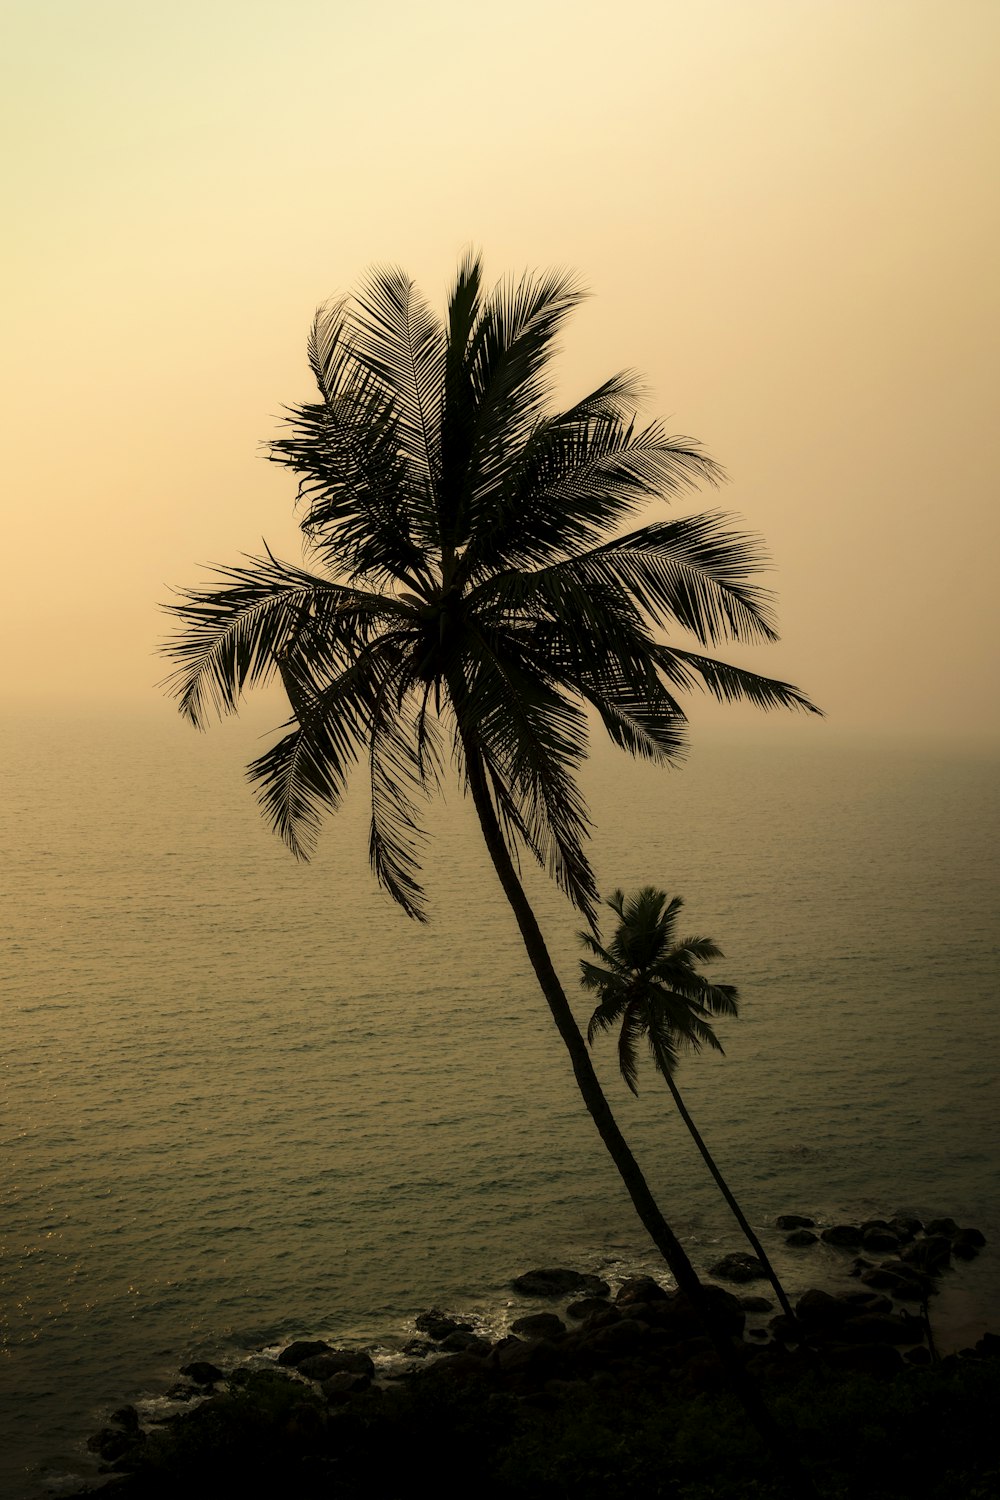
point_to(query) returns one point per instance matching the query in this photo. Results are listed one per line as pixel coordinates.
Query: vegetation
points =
(649, 986)
(926, 1432)
(471, 594)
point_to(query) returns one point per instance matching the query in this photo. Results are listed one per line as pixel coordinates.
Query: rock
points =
(202, 1372)
(932, 1254)
(614, 1339)
(794, 1221)
(557, 1282)
(461, 1342)
(538, 1357)
(342, 1385)
(947, 1227)
(845, 1235)
(869, 1302)
(679, 1318)
(801, 1237)
(302, 1349)
(919, 1355)
(112, 1443)
(640, 1289)
(182, 1391)
(753, 1304)
(419, 1348)
(968, 1243)
(906, 1227)
(739, 1267)
(586, 1308)
(817, 1310)
(880, 1240)
(903, 1282)
(437, 1325)
(127, 1418)
(538, 1326)
(335, 1362)
(873, 1224)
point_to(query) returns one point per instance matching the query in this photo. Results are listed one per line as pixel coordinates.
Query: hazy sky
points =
(787, 212)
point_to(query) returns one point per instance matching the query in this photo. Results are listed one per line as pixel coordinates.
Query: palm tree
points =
(471, 593)
(649, 985)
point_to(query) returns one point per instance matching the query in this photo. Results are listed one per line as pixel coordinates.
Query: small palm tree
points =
(649, 985)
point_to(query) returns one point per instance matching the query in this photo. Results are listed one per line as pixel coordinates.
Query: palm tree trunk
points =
(723, 1186)
(600, 1111)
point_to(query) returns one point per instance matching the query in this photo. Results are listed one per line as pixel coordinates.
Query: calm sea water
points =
(245, 1099)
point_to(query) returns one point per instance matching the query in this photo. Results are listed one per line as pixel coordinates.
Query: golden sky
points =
(787, 212)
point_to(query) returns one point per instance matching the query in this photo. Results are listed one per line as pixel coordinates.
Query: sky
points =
(786, 212)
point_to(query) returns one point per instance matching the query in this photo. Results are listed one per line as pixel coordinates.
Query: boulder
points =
(336, 1362)
(968, 1243)
(538, 1326)
(905, 1226)
(847, 1236)
(880, 1240)
(127, 1418)
(816, 1310)
(799, 1238)
(301, 1349)
(794, 1221)
(947, 1227)
(462, 1342)
(753, 1304)
(739, 1267)
(586, 1308)
(640, 1289)
(202, 1372)
(538, 1358)
(931, 1254)
(113, 1444)
(557, 1281)
(437, 1325)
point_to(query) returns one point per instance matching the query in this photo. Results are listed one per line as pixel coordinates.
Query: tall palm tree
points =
(649, 986)
(471, 592)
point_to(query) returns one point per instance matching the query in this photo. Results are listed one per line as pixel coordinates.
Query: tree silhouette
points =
(649, 987)
(471, 594)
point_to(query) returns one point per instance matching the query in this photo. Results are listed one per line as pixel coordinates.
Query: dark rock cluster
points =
(917, 1253)
(647, 1332)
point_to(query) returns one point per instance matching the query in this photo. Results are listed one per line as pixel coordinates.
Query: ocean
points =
(246, 1099)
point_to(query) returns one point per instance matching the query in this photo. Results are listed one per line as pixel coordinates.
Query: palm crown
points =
(649, 985)
(468, 571)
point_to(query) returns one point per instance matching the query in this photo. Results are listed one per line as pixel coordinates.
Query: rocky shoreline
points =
(587, 1333)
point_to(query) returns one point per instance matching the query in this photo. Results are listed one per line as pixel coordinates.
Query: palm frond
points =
(729, 684)
(607, 1014)
(692, 572)
(394, 334)
(576, 477)
(533, 739)
(360, 488)
(397, 774)
(236, 634)
(499, 392)
(305, 773)
(628, 1042)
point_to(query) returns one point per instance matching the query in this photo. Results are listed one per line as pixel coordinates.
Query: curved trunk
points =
(600, 1111)
(723, 1187)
